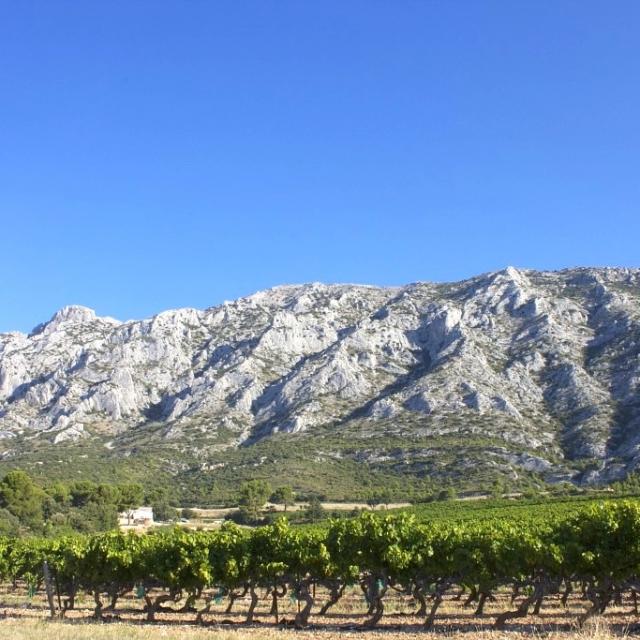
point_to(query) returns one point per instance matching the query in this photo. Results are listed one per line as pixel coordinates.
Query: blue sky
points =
(163, 154)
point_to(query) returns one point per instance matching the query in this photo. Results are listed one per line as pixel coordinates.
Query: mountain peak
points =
(73, 314)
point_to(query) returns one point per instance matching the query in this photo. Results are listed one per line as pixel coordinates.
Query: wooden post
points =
(49, 588)
(275, 602)
(55, 575)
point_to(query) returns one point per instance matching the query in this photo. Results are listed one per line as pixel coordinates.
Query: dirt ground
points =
(45, 630)
(24, 618)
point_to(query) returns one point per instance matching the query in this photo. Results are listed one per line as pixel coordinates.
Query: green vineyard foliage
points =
(593, 550)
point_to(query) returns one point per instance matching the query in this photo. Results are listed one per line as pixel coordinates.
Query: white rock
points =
(549, 359)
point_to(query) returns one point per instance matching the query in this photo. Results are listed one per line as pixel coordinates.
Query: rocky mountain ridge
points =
(543, 366)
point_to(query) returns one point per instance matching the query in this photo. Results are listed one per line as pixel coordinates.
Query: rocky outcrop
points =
(549, 360)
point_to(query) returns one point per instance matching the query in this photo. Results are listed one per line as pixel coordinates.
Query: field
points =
(36, 630)
(541, 508)
(25, 619)
(475, 508)
(53, 631)
(213, 518)
(537, 566)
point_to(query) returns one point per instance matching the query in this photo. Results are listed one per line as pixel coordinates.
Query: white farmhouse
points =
(137, 516)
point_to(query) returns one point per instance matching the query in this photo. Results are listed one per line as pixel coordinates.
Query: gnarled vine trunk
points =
(599, 596)
(568, 590)
(336, 591)
(376, 590)
(481, 600)
(188, 606)
(233, 596)
(440, 590)
(418, 596)
(252, 605)
(153, 606)
(523, 609)
(473, 596)
(304, 595)
(275, 594)
(97, 612)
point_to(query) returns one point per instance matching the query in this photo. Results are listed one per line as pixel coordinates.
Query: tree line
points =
(27, 508)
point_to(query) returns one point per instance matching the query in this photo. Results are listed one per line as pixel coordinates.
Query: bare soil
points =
(24, 617)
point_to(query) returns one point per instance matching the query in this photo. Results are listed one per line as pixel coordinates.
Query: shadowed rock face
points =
(550, 360)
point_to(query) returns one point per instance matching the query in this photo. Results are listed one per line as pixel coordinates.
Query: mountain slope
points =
(517, 373)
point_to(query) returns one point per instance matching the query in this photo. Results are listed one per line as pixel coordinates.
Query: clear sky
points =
(157, 154)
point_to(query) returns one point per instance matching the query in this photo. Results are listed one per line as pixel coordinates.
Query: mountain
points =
(523, 375)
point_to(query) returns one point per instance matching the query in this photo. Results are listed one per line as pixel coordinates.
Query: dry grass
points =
(43, 629)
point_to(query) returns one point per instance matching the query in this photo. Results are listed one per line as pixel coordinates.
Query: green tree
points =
(378, 497)
(94, 517)
(22, 497)
(447, 494)
(107, 494)
(59, 493)
(129, 496)
(156, 495)
(82, 493)
(85, 492)
(9, 524)
(314, 511)
(284, 495)
(498, 489)
(253, 495)
(164, 512)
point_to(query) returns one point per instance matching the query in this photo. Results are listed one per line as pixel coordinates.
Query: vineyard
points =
(390, 564)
